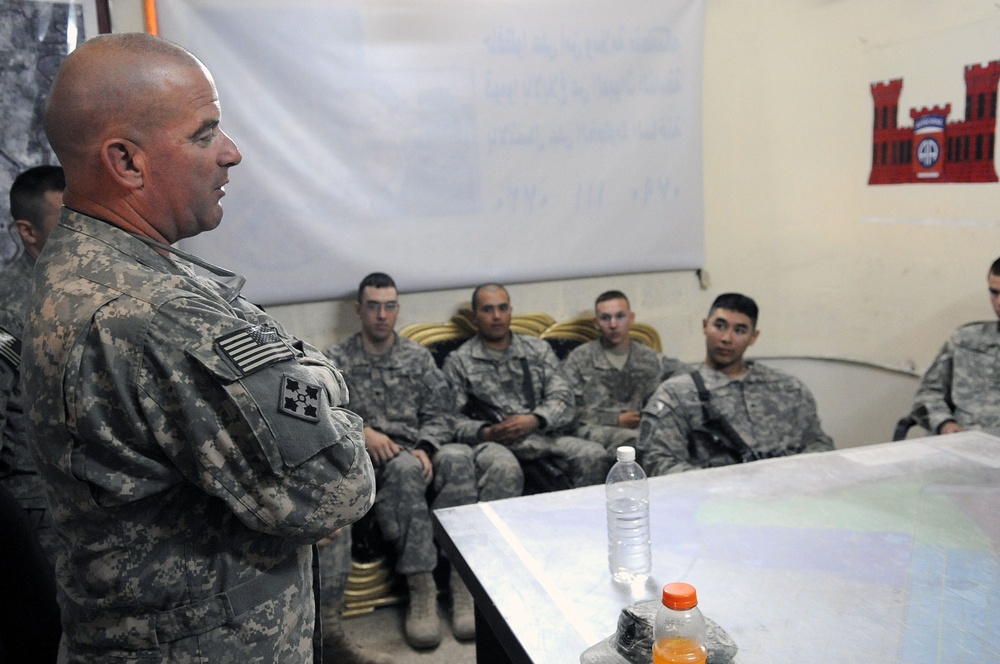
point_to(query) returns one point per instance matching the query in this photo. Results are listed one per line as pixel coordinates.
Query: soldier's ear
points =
(124, 161)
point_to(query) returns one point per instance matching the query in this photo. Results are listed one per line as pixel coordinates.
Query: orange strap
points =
(150, 8)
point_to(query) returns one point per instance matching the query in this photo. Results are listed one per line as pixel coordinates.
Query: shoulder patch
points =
(254, 348)
(299, 398)
(10, 349)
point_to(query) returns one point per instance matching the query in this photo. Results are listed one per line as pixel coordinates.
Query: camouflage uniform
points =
(774, 414)
(18, 471)
(334, 568)
(603, 391)
(472, 371)
(963, 382)
(192, 452)
(404, 395)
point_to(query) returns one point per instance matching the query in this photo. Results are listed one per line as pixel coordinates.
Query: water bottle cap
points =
(625, 453)
(680, 596)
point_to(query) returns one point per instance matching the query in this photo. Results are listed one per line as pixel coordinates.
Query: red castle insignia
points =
(933, 149)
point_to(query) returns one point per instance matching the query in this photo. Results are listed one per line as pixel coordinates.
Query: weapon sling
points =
(725, 432)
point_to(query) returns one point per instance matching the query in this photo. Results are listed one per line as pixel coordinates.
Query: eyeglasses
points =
(375, 307)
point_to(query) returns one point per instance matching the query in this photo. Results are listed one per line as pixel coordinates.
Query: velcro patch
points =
(254, 348)
(10, 349)
(299, 398)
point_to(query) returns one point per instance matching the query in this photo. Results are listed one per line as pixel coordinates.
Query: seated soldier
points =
(961, 388)
(523, 403)
(612, 377)
(407, 404)
(762, 412)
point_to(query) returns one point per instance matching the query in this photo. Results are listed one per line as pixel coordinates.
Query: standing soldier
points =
(192, 451)
(29, 630)
(35, 199)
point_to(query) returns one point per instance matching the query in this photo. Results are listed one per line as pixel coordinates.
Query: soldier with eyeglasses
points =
(407, 405)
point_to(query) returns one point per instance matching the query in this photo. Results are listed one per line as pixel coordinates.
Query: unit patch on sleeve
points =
(10, 349)
(299, 398)
(254, 348)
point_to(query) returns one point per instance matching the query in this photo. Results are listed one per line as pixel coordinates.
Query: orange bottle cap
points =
(679, 596)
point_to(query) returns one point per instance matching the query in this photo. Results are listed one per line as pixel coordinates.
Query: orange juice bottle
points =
(678, 650)
(679, 631)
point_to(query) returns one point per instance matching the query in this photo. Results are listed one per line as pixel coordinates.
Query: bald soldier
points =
(192, 450)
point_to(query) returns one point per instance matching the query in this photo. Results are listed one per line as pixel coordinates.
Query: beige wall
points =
(789, 217)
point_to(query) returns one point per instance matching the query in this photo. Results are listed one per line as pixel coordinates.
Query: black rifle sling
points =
(528, 387)
(715, 418)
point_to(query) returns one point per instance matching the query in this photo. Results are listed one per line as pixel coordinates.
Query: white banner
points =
(450, 142)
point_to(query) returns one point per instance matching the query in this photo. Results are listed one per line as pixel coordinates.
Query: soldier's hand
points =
(329, 538)
(514, 427)
(629, 419)
(426, 462)
(951, 426)
(380, 447)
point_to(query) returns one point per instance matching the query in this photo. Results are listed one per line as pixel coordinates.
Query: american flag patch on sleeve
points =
(10, 349)
(254, 348)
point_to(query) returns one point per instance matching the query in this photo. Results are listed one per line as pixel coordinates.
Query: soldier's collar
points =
(231, 283)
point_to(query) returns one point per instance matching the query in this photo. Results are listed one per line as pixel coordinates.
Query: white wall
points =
(788, 212)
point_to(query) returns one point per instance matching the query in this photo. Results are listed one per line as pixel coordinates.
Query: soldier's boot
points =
(463, 615)
(422, 626)
(338, 648)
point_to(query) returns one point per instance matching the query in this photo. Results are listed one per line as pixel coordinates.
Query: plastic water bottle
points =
(679, 631)
(627, 492)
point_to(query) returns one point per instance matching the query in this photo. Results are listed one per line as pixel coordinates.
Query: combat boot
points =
(338, 648)
(463, 616)
(422, 626)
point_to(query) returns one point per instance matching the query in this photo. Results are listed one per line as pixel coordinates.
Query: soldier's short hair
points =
(736, 302)
(610, 295)
(28, 191)
(475, 292)
(375, 280)
(995, 268)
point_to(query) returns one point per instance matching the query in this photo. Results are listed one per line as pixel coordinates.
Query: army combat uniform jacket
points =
(192, 452)
(774, 414)
(17, 467)
(402, 393)
(603, 391)
(505, 385)
(963, 382)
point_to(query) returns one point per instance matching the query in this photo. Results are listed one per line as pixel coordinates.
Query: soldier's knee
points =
(404, 466)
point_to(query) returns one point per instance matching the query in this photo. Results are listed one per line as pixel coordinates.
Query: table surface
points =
(883, 553)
